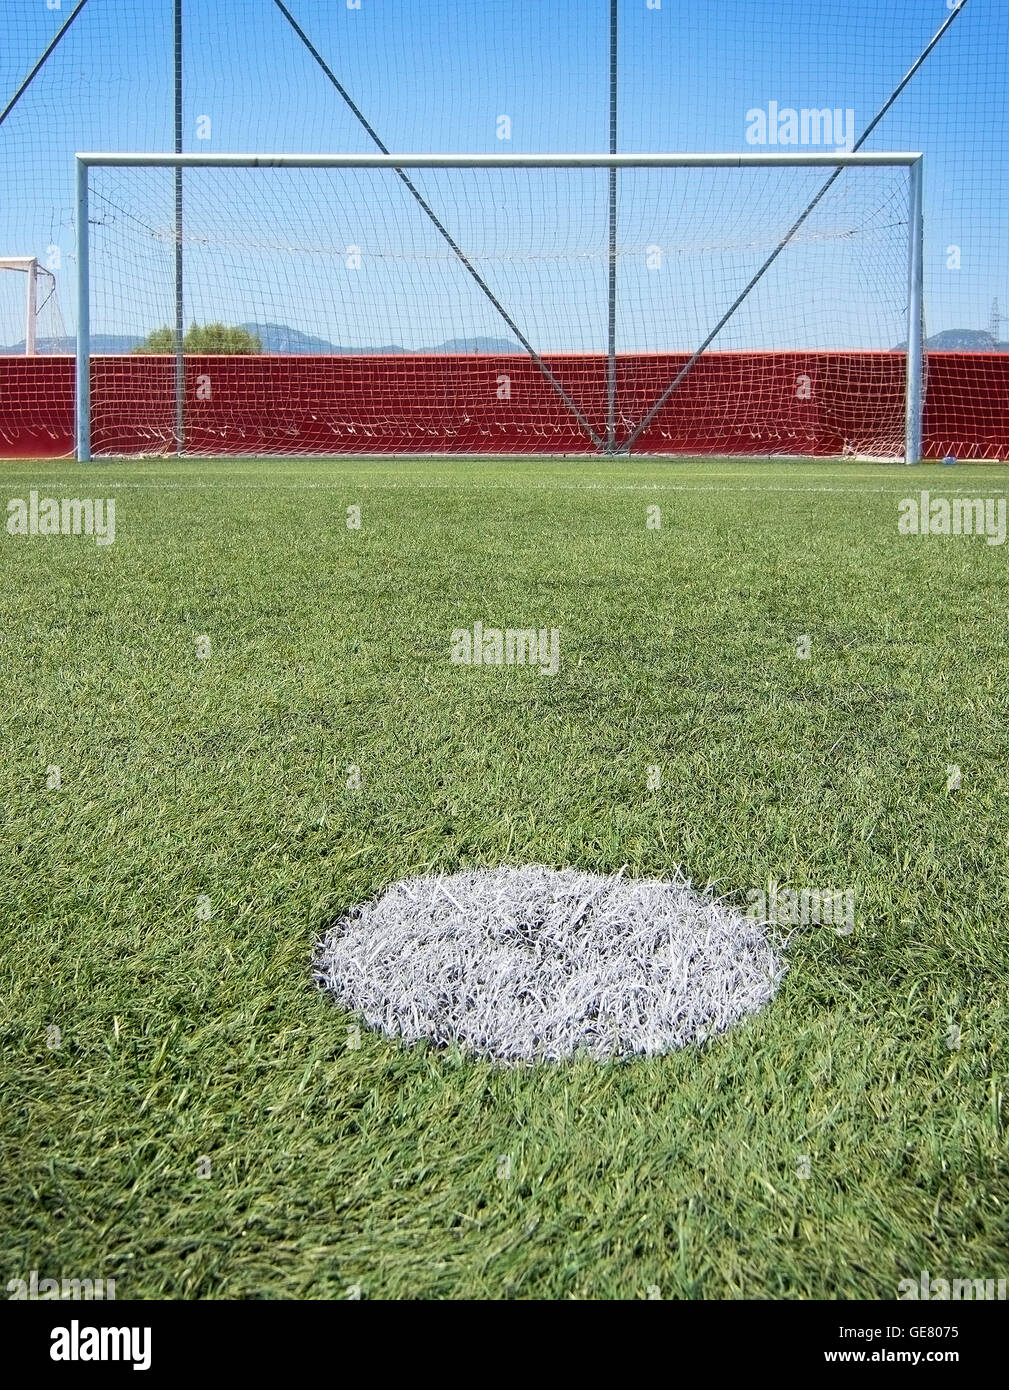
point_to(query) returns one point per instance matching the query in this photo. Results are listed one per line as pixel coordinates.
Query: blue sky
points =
(437, 75)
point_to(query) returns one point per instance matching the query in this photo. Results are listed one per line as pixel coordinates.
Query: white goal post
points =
(604, 436)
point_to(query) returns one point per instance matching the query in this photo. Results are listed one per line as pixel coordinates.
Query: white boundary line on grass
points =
(351, 484)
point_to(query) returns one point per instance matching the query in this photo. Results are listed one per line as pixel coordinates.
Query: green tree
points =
(161, 340)
(203, 339)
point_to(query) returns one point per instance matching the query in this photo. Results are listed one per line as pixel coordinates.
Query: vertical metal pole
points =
(31, 307)
(180, 324)
(915, 317)
(83, 319)
(611, 318)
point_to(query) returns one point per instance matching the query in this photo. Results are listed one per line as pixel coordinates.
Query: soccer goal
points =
(599, 304)
(21, 303)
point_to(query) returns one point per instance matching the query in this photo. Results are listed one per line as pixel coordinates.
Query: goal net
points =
(503, 306)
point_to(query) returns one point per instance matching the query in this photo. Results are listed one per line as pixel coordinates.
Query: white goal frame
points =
(831, 160)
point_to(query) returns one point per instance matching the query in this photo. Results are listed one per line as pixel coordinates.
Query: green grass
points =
(332, 1165)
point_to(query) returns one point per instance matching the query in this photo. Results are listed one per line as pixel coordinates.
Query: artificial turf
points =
(184, 1113)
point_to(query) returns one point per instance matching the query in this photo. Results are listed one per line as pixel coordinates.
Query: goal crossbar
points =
(834, 161)
(748, 159)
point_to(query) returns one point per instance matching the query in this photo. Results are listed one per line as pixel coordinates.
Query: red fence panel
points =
(730, 403)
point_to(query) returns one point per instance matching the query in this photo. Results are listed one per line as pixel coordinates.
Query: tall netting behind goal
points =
(439, 310)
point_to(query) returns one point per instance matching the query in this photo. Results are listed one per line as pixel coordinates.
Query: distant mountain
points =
(275, 338)
(278, 338)
(101, 343)
(494, 345)
(960, 340)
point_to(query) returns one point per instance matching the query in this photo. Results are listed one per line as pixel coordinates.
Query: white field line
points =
(473, 487)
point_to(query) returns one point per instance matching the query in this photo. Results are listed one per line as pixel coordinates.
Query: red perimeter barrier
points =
(730, 403)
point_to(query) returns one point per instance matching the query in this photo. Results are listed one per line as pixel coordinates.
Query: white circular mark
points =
(536, 964)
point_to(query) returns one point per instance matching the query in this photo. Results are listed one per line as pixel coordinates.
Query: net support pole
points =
(83, 395)
(180, 324)
(915, 317)
(31, 307)
(611, 293)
